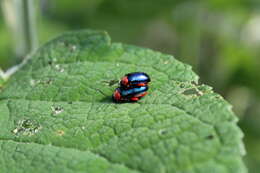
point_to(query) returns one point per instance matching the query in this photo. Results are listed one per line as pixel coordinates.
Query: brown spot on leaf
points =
(60, 132)
(210, 137)
(192, 91)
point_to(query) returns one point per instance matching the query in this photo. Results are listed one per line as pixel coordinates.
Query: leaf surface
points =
(57, 114)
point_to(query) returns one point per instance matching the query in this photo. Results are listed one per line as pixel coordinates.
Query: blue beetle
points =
(136, 79)
(132, 94)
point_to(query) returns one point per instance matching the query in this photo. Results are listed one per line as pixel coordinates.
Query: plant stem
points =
(20, 16)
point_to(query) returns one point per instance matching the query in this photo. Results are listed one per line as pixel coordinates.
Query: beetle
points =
(132, 94)
(135, 79)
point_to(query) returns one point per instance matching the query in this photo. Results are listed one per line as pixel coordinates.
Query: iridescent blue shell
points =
(135, 79)
(133, 91)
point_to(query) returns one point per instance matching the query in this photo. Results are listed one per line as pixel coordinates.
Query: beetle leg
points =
(141, 95)
(134, 99)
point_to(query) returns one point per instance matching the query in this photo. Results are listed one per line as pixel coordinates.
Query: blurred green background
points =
(219, 38)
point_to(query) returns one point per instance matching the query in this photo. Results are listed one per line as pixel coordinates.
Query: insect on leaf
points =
(57, 115)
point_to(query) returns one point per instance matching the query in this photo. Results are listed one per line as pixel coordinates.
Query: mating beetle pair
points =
(133, 86)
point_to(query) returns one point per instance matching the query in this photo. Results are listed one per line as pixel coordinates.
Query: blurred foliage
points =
(5, 47)
(219, 38)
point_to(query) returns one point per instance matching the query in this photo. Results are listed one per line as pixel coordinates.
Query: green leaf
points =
(57, 114)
